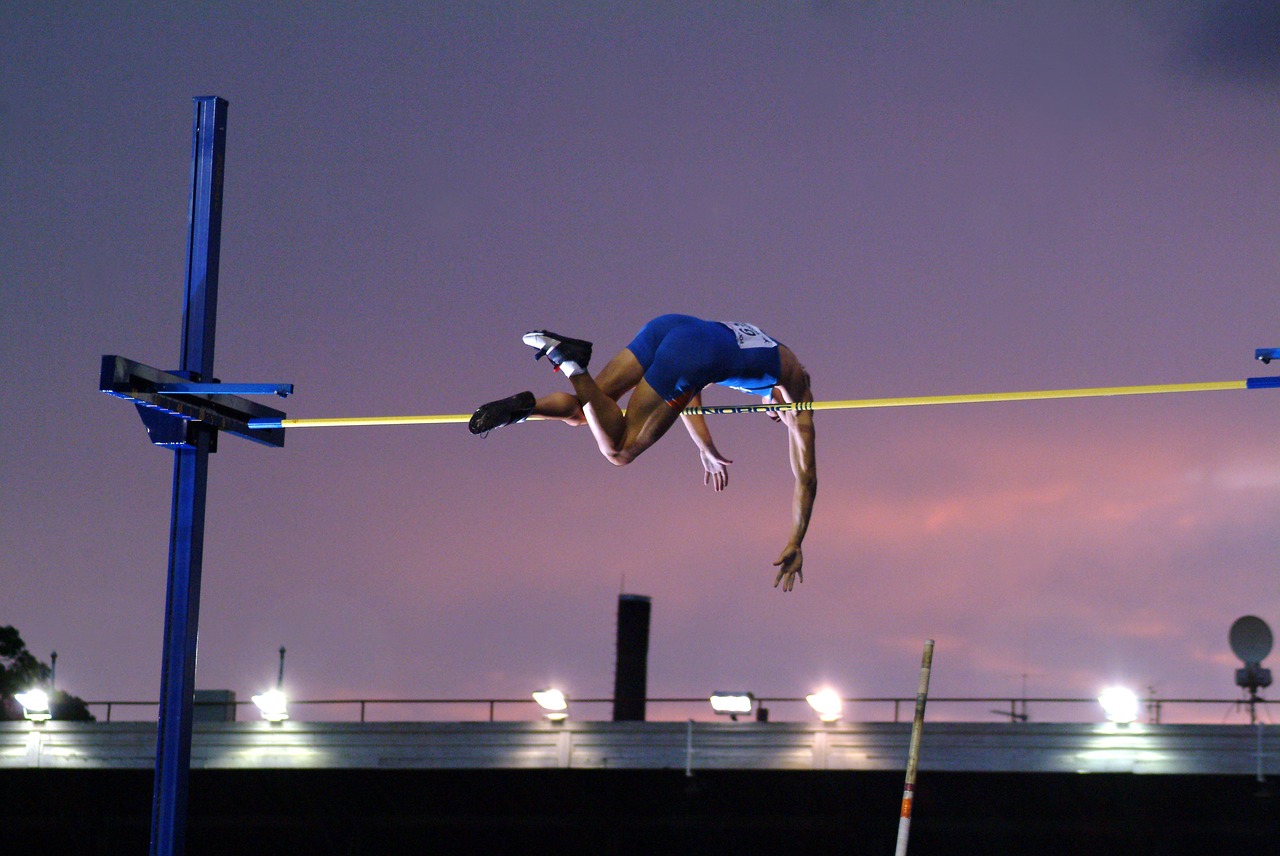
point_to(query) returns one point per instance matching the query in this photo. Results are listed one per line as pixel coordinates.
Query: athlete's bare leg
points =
(619, 375)
(562, 406)
(622, 437)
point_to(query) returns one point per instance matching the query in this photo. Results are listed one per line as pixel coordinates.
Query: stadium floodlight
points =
(732, 704)
(554, 704)
(35, 704)
(274, 706)
(1119, 704)
(827, 704)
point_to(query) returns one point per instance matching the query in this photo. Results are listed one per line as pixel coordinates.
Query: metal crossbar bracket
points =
(152, 389)
(284, 390)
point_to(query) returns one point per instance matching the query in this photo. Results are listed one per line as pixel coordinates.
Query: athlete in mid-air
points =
(665, 367)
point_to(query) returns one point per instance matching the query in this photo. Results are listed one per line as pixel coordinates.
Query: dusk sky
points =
(956, 198)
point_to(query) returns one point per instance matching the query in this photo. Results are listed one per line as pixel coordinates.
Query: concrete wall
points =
(948, 746)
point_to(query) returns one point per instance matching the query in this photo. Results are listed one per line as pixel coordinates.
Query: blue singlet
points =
(681, 354)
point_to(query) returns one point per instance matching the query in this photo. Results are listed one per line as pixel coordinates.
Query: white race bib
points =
(749, 335)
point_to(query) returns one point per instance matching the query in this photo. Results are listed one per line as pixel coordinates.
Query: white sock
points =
(569, 368)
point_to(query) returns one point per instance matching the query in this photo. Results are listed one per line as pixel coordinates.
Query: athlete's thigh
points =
(648, 418)
(620, 374)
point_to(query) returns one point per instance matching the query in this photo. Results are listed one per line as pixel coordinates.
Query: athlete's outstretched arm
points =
(715, 464)
(804, 465)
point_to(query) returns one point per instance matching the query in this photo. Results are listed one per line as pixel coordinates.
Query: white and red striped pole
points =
(913, 755)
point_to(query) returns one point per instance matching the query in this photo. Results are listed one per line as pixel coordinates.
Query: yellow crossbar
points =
(1032, 395)
(852, 404)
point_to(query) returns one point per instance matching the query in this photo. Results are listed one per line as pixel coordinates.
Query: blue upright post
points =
(190, 482)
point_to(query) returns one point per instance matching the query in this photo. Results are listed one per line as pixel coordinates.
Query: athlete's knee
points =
(620, 457)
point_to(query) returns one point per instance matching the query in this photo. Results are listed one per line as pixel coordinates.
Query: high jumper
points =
(665, 368)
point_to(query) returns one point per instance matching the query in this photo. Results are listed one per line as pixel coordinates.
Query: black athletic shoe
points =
(507, 411)
(558, 349)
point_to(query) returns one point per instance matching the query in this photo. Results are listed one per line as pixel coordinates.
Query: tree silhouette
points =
(20, 671)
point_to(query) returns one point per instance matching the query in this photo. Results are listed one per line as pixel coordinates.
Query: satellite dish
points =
(1250, 639)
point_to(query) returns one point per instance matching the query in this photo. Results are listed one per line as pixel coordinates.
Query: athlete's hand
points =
(717, 467)
(789, 566)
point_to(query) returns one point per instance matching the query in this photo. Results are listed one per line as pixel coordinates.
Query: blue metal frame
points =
(185, 410)
(182, 617)
(190, 484)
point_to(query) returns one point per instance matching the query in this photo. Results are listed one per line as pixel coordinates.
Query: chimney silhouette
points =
(630, 677)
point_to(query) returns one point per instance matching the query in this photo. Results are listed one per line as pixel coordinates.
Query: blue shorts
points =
(681, 354)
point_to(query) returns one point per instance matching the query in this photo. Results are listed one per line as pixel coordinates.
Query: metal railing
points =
(865, 709)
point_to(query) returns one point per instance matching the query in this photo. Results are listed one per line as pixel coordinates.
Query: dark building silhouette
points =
(630, 677)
